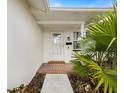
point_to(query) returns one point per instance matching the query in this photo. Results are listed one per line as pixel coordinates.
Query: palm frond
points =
(99, 48)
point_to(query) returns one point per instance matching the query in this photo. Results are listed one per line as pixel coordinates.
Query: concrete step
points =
(56, 83)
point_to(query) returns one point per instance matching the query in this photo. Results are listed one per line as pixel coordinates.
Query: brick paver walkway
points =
(55, 68)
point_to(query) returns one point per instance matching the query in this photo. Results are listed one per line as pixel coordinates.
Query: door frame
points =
(61, 57)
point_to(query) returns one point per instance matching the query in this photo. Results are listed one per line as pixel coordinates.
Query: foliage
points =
(108, 77)
(80, 69)
(99, 52)
(17, 89)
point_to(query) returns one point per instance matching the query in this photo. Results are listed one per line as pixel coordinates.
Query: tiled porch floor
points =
(55, 68)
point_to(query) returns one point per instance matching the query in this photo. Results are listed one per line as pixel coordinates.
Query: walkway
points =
(47, 68)
(51, 77)
(56, 83)
(56, 79)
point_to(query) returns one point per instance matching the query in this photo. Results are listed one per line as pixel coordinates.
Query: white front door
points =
(56, 46)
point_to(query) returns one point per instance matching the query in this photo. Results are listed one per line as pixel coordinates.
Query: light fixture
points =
(68, 38)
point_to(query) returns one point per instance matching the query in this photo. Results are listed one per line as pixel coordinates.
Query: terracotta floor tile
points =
(55, 68)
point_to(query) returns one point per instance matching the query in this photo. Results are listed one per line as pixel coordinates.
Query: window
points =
(76, 44)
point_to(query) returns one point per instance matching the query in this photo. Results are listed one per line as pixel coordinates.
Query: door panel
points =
(56, 46)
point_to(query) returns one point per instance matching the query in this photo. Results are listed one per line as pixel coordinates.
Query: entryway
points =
(60, 41)
(56, 46)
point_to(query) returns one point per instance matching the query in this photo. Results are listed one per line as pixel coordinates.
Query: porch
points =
(62, 29)
(42, 36)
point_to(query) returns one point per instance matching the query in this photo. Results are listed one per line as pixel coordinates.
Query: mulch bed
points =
(36, 84)
(79, 84)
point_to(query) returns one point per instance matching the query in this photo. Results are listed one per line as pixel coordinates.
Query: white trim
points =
(82, 30)
(57, 57)
(80, 9)
(60, 22)
(46, 5)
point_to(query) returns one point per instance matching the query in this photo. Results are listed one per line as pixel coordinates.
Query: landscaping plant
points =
(97, 59)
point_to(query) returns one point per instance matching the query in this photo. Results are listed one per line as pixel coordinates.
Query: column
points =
(83, 33)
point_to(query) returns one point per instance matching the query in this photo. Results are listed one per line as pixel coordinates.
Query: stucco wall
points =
(24, 44)
(46, 46)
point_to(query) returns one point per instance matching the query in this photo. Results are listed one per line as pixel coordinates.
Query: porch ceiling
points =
(60, 26)
(56, 15)
(61, 17)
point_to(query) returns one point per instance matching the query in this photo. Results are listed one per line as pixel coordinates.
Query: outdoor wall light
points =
(68, 38)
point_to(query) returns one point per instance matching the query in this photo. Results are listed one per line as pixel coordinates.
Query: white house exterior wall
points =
(24, 44)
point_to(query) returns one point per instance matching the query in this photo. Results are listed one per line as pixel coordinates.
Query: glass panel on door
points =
(56, 44)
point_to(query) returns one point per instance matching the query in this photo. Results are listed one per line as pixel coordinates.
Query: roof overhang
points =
(79, 9)
(61, 17)
(41, 5)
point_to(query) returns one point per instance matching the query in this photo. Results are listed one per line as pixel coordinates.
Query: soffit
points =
(64, 15)
(41, 5)
(60, 26)
(39, 9)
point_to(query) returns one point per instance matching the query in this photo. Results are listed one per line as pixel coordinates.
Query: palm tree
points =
(99, 52)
